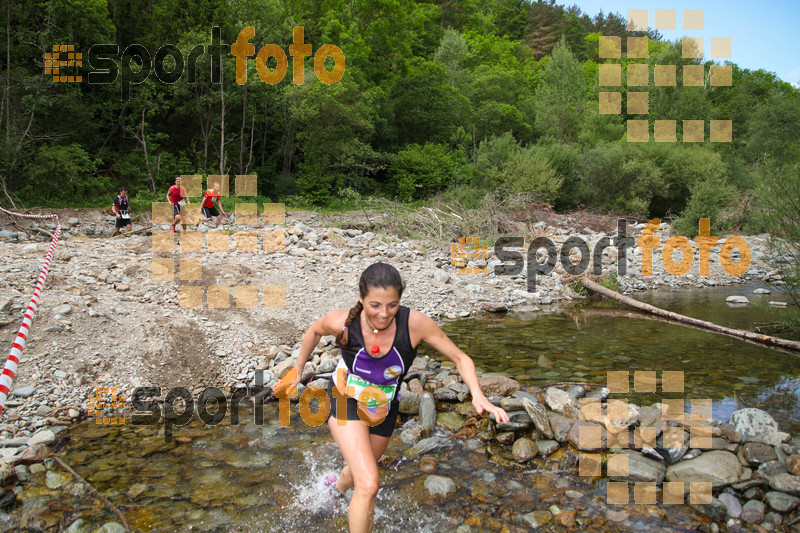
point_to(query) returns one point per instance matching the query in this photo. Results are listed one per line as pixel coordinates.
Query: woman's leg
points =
(356, 445)
(379, 445)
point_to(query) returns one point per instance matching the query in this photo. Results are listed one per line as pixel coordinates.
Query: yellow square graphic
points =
(618, 438)
(617, 493)
(672, 492)
(246, 296)
(721, 131)
(666, 19)
(672, 381)
(700, 437)
(617, 410)
(590, 437)
(645, 437)
(721, 47)
(161, 213)
(246, 213)
(191, 296)
(638, 131)
(644, 492)
(644, 381)
(224, 183)
(720, 75)
(162, 242)
(664, 76)
(191, 242)
(638, 103)
(218, 241)
(610, 47)
(637, 47)
(693, 131)
(218, 297)
(591, 409)
(246, 241)
(693, 76)
(274, 241)
(692, 48)
(274, 213)
(610, 75)
(672, 409)
(246, 185)
(693, 19)
(193, 184)
(610, 103)
(673, 438)
(700, 410)
(274, 296)
(637, 20)
(163, 269)
(589, 465)
(617, 465)
(617, 381)
(191, 269)
(638, 75)
(700, 492)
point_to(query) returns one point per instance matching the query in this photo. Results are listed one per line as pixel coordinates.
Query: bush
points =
(529, 172)
(708, 199)
(419, 171)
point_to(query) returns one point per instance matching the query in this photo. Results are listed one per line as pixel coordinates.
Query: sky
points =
(762, 31)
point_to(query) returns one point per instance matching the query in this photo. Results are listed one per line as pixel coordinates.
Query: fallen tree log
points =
(758, 338)
(133, 231)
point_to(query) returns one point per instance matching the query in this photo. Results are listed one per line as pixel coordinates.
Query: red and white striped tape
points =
(10, 368)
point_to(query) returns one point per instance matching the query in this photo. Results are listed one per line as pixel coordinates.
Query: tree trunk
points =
(222, 121)
(758, 338)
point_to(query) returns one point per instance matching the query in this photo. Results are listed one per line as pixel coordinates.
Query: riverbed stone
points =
(445, 394)
(524, 450)
(737, 299)
(793, 464)
(498, 385)
(538, 416)
(110, 527)
(547, 446)
(409, 402)
(732, 504)
(781, 502)
(439, 485)
(586, 436)
(560, 425)
(641, 468)
(429, 446)
(600, 393)
(411, 435)
(785, 483)
(450, 421)
(518, 421)
(755, 425)
(753, 512)
(427, 412)
(556, 399)
(54, 480)
(720, 467)
(756, 453)
(23, 392)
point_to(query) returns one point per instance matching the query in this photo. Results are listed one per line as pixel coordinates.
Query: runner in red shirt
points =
(176, 195)
(209, 209)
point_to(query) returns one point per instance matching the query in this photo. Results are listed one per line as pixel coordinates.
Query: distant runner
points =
(176, 195)
(209, 209)
(121, 211)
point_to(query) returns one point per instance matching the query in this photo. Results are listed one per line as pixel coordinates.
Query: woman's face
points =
(380, 305)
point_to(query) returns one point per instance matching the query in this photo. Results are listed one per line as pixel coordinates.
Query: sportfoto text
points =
(512, 261)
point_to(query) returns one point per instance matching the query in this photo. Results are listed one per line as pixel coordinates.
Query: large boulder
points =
(755, 425)
(720, 467)
(498, 385)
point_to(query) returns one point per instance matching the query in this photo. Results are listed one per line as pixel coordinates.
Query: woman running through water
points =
(378, 340)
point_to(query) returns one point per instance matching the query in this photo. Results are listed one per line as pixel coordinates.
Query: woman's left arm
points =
(433, 335)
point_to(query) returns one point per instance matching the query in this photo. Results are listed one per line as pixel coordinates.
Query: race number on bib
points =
(125, 215)
(368, 393)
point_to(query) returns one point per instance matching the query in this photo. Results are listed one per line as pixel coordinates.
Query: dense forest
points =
(471, 96)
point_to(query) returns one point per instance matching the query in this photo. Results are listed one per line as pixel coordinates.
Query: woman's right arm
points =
(330, 324)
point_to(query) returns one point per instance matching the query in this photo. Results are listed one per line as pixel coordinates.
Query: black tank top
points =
(389, 369)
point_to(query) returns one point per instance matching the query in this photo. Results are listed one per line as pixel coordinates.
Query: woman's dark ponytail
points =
(342, 337)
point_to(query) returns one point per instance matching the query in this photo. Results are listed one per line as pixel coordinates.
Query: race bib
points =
(125, 215)
(182, 202)
(367, 393)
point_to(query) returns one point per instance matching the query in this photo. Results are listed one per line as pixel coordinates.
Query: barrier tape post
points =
(10, 368)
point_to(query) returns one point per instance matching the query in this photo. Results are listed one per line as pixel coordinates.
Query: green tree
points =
(451, 53)
(561, 97)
